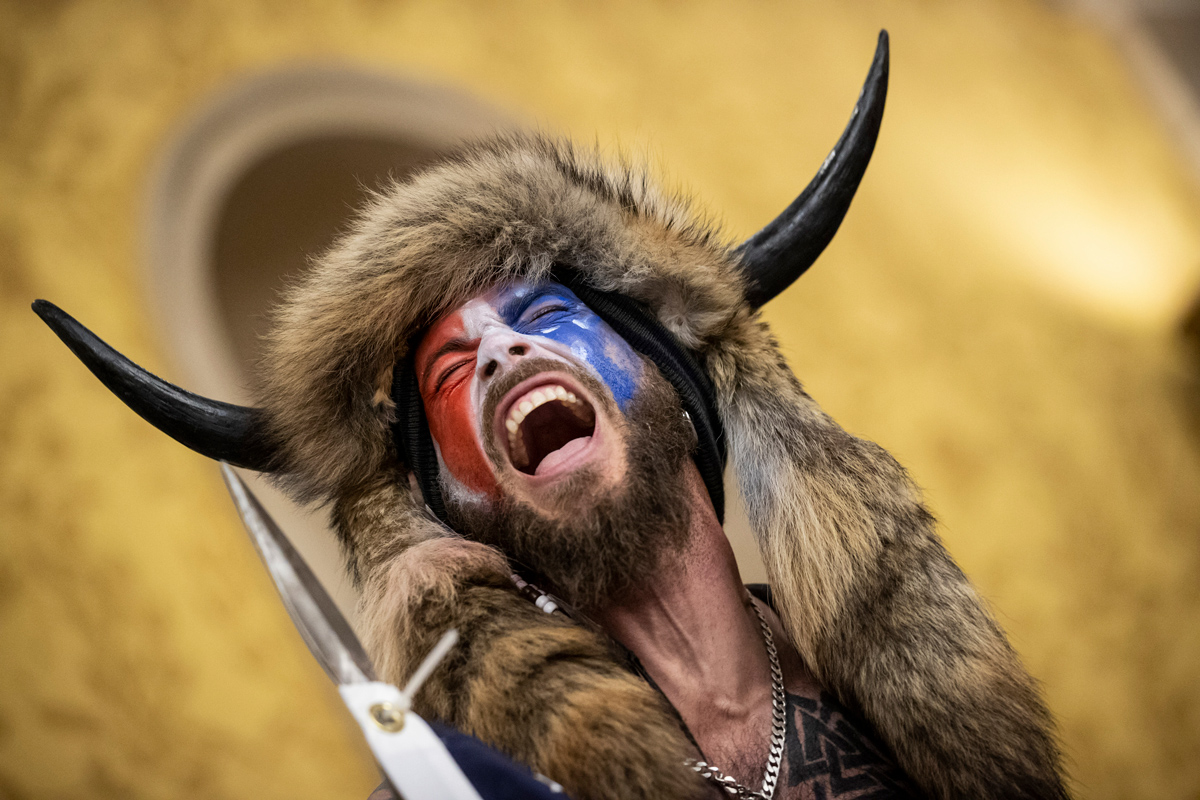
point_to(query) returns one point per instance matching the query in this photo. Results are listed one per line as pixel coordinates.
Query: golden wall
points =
(1000, 310)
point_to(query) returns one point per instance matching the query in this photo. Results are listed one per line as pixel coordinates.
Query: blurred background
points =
(1010, 308)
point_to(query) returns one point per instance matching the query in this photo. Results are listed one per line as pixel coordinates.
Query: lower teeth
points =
(519, 456)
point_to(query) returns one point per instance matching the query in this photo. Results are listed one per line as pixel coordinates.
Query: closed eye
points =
(445, 376)
(546, 311)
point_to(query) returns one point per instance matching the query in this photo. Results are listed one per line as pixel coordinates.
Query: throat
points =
(697, 638)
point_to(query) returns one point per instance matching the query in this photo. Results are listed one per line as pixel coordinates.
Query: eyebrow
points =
(456, 345)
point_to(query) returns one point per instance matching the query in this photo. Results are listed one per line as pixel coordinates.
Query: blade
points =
(322, 626)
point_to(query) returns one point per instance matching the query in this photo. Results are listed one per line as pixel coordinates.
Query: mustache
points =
(599, 395)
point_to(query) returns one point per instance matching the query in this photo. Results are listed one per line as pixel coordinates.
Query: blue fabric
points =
(494, 775)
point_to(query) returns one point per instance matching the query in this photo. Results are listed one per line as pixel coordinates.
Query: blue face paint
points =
(552, 311)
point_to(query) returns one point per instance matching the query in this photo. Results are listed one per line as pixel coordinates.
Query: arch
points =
(258, 180)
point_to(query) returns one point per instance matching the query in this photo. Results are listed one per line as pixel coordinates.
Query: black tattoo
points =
(839, 756)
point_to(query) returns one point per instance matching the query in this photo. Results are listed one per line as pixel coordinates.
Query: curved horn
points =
(785, 248)
(222, 431)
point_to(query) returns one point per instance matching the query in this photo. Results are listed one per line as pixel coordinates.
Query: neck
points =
(695, 634)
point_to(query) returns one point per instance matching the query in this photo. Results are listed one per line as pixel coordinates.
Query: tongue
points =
(556, 457)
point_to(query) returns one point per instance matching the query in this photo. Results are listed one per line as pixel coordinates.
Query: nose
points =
(501, 351)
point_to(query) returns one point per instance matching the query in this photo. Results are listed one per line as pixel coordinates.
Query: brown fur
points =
(538, 687)
(867, 593)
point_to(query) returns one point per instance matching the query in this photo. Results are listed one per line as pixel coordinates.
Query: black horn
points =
(222, 431)
(784, 249)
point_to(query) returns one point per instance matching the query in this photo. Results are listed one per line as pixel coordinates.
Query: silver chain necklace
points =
(778, 708)
(778, 732)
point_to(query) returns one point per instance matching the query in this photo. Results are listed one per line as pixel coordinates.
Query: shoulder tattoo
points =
(838, 755)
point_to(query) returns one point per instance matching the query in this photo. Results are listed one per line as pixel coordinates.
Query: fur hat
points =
(867, 594)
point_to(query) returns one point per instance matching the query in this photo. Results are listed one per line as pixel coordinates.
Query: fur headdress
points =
(867, 594)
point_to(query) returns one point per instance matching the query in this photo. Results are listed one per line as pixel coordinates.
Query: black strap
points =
(410, 432)
(641, 329)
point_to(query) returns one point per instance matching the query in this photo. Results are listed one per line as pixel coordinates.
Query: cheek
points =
(452, 424)
(597, 345)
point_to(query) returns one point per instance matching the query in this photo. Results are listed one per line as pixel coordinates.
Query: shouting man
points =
(561, 448)
(522, 371)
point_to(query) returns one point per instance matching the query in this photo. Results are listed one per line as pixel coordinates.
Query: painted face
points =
(547, 424)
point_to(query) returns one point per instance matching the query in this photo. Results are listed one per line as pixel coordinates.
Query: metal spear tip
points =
(326, 632)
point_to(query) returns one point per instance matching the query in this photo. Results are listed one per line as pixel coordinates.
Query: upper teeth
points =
(526, 404)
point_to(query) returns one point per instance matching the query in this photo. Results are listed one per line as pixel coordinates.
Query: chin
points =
(573, 496)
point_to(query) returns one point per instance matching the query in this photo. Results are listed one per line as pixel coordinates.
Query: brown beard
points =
(607, 540)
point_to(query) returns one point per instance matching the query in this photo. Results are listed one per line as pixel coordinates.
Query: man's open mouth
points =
(546, 426)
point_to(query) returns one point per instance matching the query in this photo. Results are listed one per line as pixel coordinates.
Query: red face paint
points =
(445, 377)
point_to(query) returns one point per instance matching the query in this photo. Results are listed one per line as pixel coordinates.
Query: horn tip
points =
(57, 319)
(44, 308)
